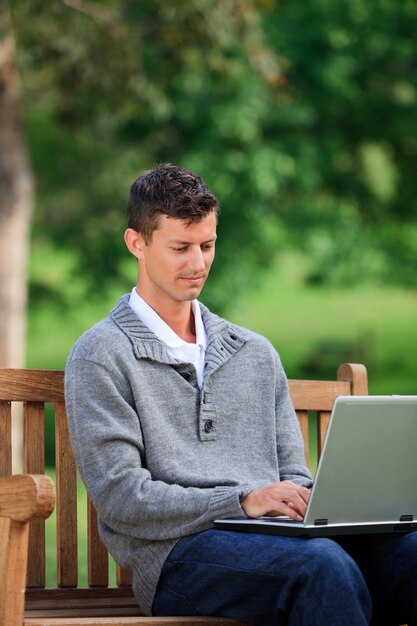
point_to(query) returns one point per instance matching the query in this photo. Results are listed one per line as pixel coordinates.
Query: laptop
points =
(366, 477)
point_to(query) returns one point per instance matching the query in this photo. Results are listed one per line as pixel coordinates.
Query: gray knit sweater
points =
(162, 459)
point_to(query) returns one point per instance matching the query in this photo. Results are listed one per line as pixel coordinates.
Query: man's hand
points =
(285, 498)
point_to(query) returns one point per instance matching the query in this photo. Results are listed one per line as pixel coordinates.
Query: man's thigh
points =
(258, 578)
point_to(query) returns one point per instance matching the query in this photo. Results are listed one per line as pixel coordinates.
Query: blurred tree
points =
(115, 87)
(16, 191)
(301, 117)
(348, 119)
(16, 200)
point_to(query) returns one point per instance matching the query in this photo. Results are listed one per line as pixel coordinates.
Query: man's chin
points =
(190, 294)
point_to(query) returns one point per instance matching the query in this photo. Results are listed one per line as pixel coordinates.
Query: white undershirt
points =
(178, 348)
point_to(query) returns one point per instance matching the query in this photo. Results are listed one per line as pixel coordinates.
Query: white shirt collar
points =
(161, 329)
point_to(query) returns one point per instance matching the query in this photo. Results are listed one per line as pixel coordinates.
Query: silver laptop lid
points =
(368, 467)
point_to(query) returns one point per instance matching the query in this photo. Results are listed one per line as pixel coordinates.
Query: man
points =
(178, 417)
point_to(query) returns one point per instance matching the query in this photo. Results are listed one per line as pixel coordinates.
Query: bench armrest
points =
(22, 498)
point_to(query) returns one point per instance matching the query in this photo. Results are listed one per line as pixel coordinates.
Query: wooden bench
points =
(100, 603)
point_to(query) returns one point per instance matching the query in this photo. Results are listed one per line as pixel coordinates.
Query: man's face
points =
(174, 266)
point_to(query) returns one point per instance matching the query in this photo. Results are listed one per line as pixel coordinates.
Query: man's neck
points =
(179, 316)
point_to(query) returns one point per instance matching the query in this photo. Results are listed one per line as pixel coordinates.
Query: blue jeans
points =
(267, 580)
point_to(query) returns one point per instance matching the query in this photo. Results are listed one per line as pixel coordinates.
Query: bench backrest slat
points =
(34, 463)
(5, 438)
(123, 577)
(317, 395)
(31, 385)
(98, 573)
(66, 502)
(322, 424)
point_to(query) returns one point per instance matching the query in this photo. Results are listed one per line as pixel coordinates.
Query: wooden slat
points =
(84, 613)
(5, 438)
(50, 601)
(134, 621)
(34, 438)
(86, 610)
(34, 463)
(35, 385)
(303, 420)
(66, 509)
(123, 577)
(98, 562)
(323, 418)
(316, 395)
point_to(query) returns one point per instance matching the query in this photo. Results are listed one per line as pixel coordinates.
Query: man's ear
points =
(134, 242)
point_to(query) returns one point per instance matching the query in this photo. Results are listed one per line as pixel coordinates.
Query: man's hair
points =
(168, 190)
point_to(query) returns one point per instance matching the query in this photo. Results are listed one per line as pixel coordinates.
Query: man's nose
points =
(196, 260)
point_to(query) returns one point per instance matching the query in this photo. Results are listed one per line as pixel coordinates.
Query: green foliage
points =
(132, 84)
(347, 116)
(300, 116)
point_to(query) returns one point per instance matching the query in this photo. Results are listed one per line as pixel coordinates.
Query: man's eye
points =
(179, 249)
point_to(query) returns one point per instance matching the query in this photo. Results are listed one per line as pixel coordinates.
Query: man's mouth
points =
(193, 279)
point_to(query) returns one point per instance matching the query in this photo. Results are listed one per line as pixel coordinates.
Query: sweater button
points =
(208, 426)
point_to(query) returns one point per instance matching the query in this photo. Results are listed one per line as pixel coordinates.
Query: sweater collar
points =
(224, 338)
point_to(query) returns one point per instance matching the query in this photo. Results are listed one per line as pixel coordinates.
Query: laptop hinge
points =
(321, 521)
(406, 518)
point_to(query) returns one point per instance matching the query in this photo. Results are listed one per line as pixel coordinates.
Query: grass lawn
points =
(316, 328)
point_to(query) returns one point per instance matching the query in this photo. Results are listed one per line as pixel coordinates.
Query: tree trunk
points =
(16, 200)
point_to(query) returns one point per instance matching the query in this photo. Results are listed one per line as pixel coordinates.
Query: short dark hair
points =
(168, 190)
